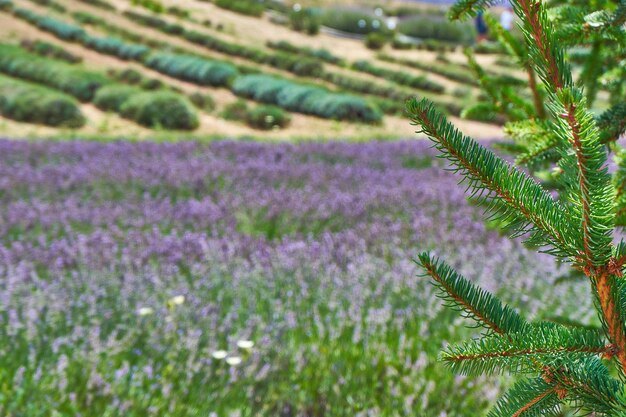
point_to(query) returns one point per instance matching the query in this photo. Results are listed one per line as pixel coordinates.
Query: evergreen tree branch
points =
(475, 302)
(464, 9)
(528, 398)
(589, 386)
(611, 297)
(577, 127)
(534, 348)
(485, 171)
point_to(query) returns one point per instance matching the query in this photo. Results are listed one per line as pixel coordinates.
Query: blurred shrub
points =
(63, 30)
(202, 101)
(160, 109)
(152, 5)
(190, 68)
(323, 54)
(155, 22)
(51, 4)
(151, 84)
(363, 86)
(73, 80)
(439, 29)
(450, 71)
(488, 48)
(311, 66)
(116, 47)
(178, 12)
(237, 110)
(267, 117)
(127, 76)
(436, 46)
(399, 77)
(112, 97)
(31, 103)
(51, 50)
(397, 43)
(100, 3)
(247, 7)
(306, 20)
(260, 117)
(352, 21)
(376, 40)
(6, 5)
(305, 99)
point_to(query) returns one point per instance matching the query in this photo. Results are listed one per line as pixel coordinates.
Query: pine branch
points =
(589, 386)
(619, 182)
(545, 219)
(612, 123)
(611, 299)
(528, 398)
(475, 302)
(520, 53)
(542, 147)
(529, 350)
(576, 126)
(586, 178)
(464, 9)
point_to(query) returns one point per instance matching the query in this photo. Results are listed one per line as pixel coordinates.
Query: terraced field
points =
(202, 70)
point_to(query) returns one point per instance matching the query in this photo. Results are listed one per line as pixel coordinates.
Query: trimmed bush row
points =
(439, 29)
(450, 72)
(51, 4)
(352, 21)
(31, 103)
(247, 7)
(65, 31)
(190, 68)
(305, 99)
(100, 3)
(296, 64)
(323, 54)
(361, 86)
(69, 32)
(155, 109)
(50, 50)
(116, 47)
(75, 81)
(399, 77)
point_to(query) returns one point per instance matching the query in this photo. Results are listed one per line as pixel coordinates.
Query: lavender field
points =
(243, 279)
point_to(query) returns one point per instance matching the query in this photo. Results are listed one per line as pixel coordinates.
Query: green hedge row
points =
(352, 21)
(362, 86)
(399, 77)
(191, 68)
(113, 46)
(51, 50)
(298, 65)
(247, 7)
(63, 30)
(439, 29)
(73, 80)
(160, 109)
(101, 4)
(69, 32)
(323, 54)
(305, 99)
(31, 103)
(51, 4)
(452, 72)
